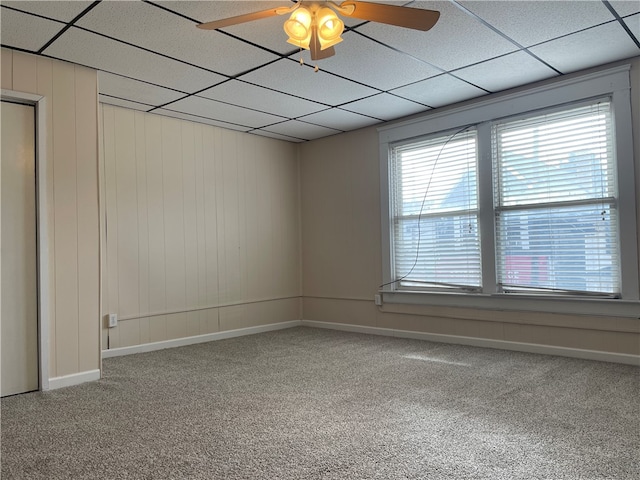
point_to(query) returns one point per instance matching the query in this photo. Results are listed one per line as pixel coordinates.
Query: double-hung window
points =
(528, 196)
(556, 215)
(436, 241)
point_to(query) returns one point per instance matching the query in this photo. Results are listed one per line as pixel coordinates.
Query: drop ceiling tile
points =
(290, 77)
(633, 22)
(62, 10)
(505, 72)
(196, 119)
(439, 91)
(531, 22)
(588, 48)
(277, 136)
(301, 130)
(267, 32)
(128, 89)
(339, 119)
(625, 7)
(153, 28)
(212, 109)
(216, 10)
(381, 67)
(118, 102)
(385, 107)
(95, 51)
(21, 30)
(251, 96)
(452, 43)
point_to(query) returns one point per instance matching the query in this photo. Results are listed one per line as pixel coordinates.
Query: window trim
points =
(614, 83)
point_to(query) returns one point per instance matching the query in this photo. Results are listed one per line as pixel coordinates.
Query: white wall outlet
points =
(112, 320)
(378, 299)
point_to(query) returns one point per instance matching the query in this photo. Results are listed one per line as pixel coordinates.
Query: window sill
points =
(608, 307)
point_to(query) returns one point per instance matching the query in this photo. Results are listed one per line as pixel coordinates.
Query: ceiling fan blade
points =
(416, 18)
(248, 17)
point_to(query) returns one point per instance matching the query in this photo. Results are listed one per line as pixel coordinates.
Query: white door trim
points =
(42, 240)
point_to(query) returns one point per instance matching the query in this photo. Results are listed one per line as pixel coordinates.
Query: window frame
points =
(613, 83)
(425, 213)
(562, 203)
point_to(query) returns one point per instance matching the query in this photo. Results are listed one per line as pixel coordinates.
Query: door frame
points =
(42, 232)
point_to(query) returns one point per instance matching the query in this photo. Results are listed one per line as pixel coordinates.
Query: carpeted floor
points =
(307, 403)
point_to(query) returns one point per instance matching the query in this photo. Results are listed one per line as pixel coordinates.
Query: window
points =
(556, 202)
(527, 196)
(436, 213)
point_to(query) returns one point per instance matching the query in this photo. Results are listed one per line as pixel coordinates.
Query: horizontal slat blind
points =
(556, 208)
(435, 218)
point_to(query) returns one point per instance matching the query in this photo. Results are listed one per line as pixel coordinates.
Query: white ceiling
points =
(247, 78)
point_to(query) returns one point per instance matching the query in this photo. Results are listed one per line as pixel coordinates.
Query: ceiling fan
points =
(315, 26)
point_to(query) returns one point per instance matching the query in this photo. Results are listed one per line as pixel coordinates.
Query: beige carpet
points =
(307, 403)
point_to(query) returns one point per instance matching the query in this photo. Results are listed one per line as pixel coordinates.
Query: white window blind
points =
(556, 202)
(435, 213)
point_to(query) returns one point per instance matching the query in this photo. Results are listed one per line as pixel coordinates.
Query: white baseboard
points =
(73, 379)
(209, 337)
(433, 337)
(483, 342)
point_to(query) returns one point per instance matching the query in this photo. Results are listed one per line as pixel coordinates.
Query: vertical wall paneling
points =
(88, 237)
(174, 226)
(288, 209)
(194, 212)
(126, 223)
(278, 211)
(230, 211)
(190, 228)
(25, 73)
(126, 220)
(251, 226)
(155, 202)
(102, 216)
(158, 328)
(6, 71)
(264, 225)
(71, 204)
(242, 158)
(66, 226)
(199, 187)
(142, 224)
(217, 216)
(110, 286)
(211, 199)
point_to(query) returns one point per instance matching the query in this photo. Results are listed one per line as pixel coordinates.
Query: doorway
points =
(19, 250)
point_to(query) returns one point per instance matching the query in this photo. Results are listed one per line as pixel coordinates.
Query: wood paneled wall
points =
(72, 203)
(202, 228)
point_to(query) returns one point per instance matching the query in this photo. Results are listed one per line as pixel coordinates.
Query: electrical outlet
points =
(378, 299)
(113, 320)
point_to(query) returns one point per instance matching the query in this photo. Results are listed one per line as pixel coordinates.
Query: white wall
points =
(342, 258)
(202, 228)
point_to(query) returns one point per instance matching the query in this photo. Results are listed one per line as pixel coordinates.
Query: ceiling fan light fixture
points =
(298, 28)
(330, 27)
(317, 27)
